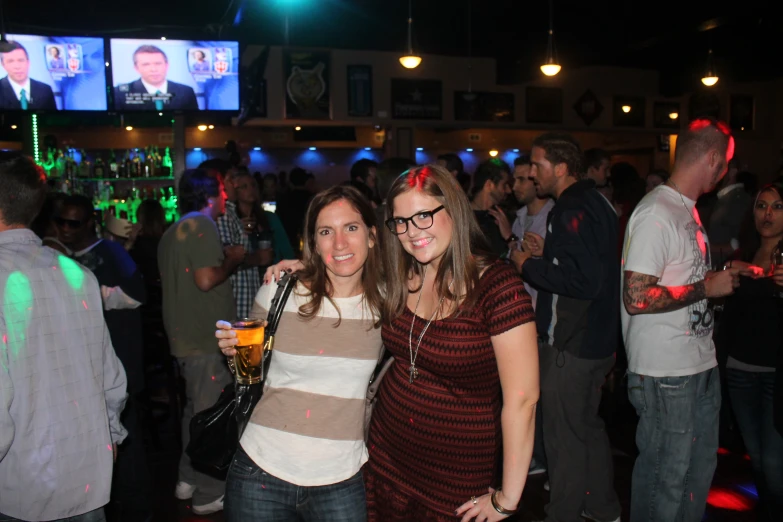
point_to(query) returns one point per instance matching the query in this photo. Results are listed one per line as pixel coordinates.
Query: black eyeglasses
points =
(71, 223)
(422, 221)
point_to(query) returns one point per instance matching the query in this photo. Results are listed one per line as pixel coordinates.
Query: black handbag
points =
(215, 432)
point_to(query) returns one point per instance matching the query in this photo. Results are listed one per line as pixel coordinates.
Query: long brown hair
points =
(314, 275)
(466, 256)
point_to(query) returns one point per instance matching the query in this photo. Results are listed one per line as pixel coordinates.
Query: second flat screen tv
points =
(174, 75)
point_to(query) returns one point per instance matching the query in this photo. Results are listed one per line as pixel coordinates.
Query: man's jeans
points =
(677, 438)
(92, 516)
(751, 395)
(254, 494)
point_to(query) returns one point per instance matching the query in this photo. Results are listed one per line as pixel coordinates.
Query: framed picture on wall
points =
(307, 85)
(359, 91)
(543, 105)
(414, 99)
(742, 111)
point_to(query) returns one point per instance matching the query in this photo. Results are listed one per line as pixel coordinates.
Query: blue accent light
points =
(419, 149)
(256, 148)
(367, 148)
(468, 150)
(313, 148)
(196, 149)
(514, 150)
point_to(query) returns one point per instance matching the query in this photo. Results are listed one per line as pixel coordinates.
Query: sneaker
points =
(588, 516)
(184, 491)
(208, 509)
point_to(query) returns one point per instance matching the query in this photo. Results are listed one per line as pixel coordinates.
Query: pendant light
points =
(710, 78)
(410, 60)
(550, 67)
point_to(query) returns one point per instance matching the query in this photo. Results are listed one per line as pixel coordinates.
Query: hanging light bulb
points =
(674, 115)
(550, 67)
(710, 78)
(493, 153)
(626, 108)
(410, 60)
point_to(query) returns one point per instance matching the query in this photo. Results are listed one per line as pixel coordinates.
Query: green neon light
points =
(17, 308)
(73, 273)
(36, 150)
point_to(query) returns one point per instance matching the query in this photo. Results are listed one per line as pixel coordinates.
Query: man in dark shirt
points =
(577, 273)
(491, 188)
(123, 291)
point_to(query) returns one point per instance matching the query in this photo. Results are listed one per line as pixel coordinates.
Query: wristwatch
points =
(512, 237)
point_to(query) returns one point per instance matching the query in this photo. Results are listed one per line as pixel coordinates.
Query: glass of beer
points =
(249, 359)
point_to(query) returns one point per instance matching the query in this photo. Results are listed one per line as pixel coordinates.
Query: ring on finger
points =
(474, 500)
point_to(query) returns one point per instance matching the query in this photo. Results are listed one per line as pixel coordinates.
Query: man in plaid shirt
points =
(232, 229)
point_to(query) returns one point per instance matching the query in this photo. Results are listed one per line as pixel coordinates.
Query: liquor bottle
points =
(98, 168)
(69, 166)
(50, 165)
(59, 161)
(167, 166)
(114, 170)
(127, 166)
(85, 167)
(136, 167)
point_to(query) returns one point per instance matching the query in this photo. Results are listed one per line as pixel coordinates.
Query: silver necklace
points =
(690, 213)
(412, 370)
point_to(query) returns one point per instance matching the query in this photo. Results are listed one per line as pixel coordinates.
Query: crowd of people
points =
(504, 299)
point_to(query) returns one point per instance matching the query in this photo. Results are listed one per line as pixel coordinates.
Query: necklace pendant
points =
(414, 373)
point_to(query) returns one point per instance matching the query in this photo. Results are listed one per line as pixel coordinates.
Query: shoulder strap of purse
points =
(285, 285)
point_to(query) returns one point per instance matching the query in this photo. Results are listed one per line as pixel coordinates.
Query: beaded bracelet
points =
(500, 509)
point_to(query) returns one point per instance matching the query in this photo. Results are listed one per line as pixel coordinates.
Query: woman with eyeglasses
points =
(463, 388)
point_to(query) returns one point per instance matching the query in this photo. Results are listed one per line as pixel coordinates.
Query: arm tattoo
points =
(643, 295)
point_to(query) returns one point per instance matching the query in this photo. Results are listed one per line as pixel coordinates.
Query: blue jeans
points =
(91, 516)
(254, 494)
(751, 399)
(677, 438)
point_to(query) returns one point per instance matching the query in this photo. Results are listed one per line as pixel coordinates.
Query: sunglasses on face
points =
(69, 223)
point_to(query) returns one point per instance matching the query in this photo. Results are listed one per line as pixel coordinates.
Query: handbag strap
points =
(285, 285)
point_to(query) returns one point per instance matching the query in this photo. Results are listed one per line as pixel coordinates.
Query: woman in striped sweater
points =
(302, 452)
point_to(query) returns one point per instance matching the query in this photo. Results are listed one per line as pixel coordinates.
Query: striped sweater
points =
(308, 427)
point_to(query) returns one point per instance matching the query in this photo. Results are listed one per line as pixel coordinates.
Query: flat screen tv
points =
(50, 73)
(174, 75)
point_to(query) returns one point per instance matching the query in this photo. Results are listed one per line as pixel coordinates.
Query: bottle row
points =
(70, 164)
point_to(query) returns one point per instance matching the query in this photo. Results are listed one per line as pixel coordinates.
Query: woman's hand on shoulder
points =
(274, 272)
(227, 338)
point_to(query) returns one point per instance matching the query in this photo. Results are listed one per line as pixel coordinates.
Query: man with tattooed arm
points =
(667, 327)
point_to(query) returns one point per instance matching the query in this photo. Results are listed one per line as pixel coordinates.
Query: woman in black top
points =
(750, 331)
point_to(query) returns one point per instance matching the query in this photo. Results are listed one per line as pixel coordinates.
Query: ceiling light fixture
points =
(128, 128)
(626, 108)
(493, 153)
(551, 67)
(202, 128)
(710, 78)
(410, 60)
(673, 115)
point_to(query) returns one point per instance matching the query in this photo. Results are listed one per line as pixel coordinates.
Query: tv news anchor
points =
(152, 64)
(17, 89)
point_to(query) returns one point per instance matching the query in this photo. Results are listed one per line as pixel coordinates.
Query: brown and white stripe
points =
(308, 428)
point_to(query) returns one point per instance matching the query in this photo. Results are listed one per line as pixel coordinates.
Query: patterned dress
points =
(437, 442)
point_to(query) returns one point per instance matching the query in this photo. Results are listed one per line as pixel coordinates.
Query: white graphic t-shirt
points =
(665, 239)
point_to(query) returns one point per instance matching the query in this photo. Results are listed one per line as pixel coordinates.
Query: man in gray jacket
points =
(62, 388)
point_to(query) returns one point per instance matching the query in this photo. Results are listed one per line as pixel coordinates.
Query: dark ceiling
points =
(672, 37)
